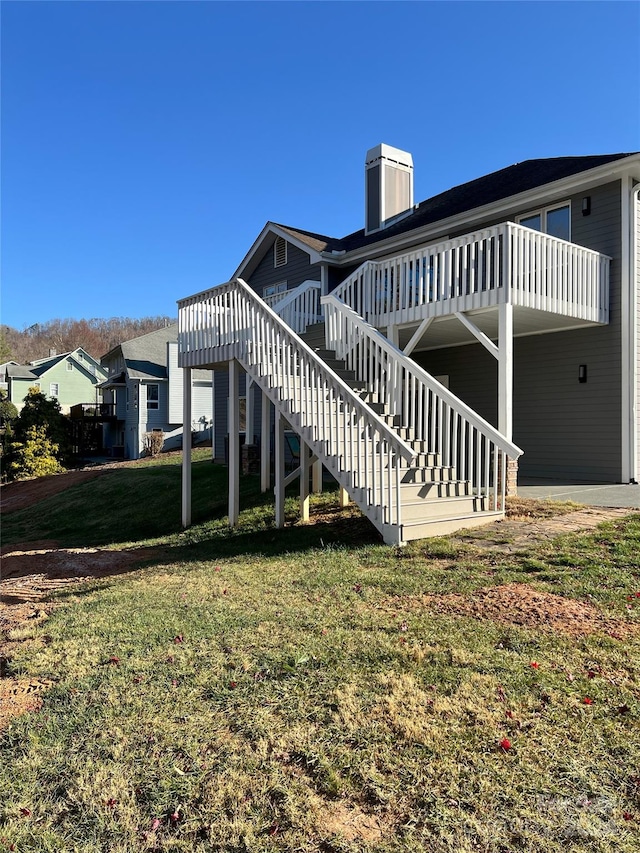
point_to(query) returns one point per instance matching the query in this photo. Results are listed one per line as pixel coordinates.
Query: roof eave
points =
(251, 259)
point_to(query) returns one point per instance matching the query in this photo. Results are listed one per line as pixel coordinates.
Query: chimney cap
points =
(388, 152)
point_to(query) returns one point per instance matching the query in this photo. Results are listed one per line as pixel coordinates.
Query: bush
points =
(153, 442)
(8, 412)
(33, 457)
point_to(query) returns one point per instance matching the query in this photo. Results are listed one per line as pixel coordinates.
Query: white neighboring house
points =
(145, 388)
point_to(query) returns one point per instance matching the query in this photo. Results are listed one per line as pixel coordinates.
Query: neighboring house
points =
(71, 378)
(4, 385)
(518, 292)
(144, 391)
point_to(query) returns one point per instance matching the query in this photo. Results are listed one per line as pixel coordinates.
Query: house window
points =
(69, 366)
(555, 220)
(153, 396)
(54, 389)
(273, 289)
(280, 252)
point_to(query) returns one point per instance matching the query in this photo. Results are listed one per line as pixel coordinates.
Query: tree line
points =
(96, 336)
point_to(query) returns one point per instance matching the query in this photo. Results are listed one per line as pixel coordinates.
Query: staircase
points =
(433, 501)
(413, 457)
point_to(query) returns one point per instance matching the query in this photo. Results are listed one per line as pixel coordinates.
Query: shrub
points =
(153, 442)
(33, 457)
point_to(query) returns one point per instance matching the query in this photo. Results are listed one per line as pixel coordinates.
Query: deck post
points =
(505, 369)
(186, 446)
(249, 435)
(279, 470)
(265, 444)
(316, 477)
(234, 444)
(343, 497)
(305, 470)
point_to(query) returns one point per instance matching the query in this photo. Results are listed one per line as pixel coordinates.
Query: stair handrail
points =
(340, 344)
(360, 449)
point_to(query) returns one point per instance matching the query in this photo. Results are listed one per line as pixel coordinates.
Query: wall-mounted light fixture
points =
(586, 205)
(582, 373)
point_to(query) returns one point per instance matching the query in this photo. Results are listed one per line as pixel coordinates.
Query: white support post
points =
(249, 433)
(234, 444)
(305, 470)
(393, 334)
(279, 470)
(213, 416)
(265, 444)
(505, 369)
(186, 446)
(316, 477)
(343, 497)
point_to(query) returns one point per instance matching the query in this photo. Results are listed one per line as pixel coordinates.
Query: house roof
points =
(20, 371)
(145, 357)
(494, 187)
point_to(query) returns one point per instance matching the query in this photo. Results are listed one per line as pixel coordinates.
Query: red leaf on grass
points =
(114, 660)
(505, 743)
(178, 639)
(174, 817)
(155, 823)
(233, 685)
(25, 812)
(627, 815)
(534, 664)
(111, 802)
(587, 701)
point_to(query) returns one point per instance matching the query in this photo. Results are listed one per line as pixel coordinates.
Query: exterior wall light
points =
(582, 373)
(586, 205)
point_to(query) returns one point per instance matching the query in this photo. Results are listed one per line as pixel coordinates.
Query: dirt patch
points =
(19, 495)
(520, 605)
(350, 823)
(30, 574)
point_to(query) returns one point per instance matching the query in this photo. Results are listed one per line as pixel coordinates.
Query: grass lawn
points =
(302, 690)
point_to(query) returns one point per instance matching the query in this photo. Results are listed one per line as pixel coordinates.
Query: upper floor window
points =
(54, 389)
(280, 252)
(273, 289)
(69, 366)
(153, 396)
(555, 220)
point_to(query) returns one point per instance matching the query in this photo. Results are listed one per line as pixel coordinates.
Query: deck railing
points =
(459, 437)
(362, 452)
(506, 262)
(299, 307)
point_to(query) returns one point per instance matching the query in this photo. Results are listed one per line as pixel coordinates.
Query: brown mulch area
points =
(519, 605)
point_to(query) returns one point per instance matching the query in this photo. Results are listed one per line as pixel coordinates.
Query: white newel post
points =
(186, 446)
(316, 477)
(234, 444)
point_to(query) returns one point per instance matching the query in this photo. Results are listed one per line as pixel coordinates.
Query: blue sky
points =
(145, 144)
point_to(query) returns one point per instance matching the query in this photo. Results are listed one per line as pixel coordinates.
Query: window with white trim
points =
(69, 366)
(280, 252)
(54, 389)
(153, 396)
(554, 220)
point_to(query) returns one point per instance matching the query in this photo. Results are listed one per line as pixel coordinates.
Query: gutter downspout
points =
(634, 309)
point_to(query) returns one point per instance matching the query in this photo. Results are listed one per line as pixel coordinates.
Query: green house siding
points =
(75, 384)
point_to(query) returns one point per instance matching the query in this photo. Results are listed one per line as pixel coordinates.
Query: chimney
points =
(388, 185)
(52, 351)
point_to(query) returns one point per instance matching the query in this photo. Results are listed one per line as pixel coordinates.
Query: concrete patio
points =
(591, 494)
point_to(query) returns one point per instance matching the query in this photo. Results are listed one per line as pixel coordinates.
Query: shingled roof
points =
(466, 197)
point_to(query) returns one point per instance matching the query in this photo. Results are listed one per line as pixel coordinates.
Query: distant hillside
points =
(97, 336)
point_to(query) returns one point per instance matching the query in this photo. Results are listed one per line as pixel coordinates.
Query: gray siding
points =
(566, 429)
(297, 269)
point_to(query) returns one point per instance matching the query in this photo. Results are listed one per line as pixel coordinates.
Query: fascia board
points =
(585, 180)
(246, 266)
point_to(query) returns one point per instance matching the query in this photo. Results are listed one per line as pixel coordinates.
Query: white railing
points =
(459, 437)
(362, 452)
(299, 307)
(506, 262)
